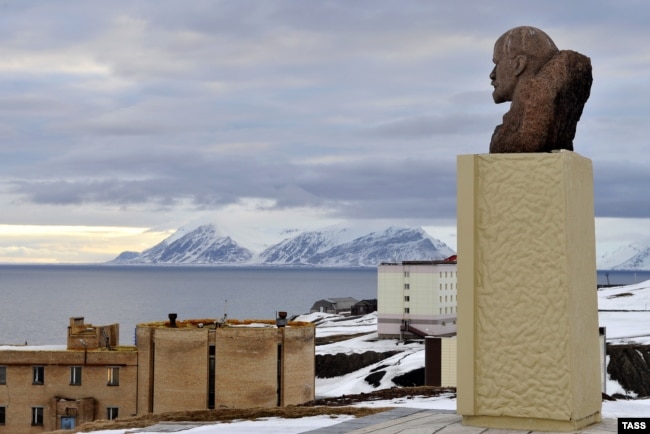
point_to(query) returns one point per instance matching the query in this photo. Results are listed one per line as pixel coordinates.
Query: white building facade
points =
(416, 298)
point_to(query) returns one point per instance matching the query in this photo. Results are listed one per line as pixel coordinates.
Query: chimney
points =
(281, 320)
(172, 320)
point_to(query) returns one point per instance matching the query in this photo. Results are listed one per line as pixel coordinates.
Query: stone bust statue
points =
(548, 89)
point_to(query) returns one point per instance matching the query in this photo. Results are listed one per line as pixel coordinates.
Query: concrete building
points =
(238, 365)
(175, 365)
(416, 298)
(44, 388)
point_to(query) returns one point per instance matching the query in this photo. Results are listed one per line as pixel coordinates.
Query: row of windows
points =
(446, 310)
(451, 274)
(447, 286)
(448, 298)
(38, 375)
(37, 415)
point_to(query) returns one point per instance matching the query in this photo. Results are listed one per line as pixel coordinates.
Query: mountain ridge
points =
(630, 257)
(334, 246)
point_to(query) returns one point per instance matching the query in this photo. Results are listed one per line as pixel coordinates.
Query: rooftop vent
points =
(281, 320)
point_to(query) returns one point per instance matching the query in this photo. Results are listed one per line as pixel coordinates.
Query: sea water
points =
(38, 300)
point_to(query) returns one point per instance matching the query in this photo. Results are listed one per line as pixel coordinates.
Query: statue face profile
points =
(518, 54)
(504, 75)
(548, 89)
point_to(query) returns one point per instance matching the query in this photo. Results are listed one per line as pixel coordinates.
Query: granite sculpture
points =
(548, 89)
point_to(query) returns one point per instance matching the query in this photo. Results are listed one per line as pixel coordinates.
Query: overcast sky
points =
(122, 120)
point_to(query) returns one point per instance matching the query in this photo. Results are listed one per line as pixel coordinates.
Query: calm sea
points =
(36, 301)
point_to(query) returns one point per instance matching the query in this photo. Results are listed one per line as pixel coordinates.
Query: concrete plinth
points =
(528, 350)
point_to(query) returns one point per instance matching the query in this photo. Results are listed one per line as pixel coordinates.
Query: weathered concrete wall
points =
(247, 363)
(255, 367)
(180, 369)
(528, 346)
(298, 365)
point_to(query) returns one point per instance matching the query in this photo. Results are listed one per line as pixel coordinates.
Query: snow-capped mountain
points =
(203, 245)
(339, 245)
(640, 261)
(635, 256)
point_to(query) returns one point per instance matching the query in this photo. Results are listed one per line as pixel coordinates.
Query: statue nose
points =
(493, 74)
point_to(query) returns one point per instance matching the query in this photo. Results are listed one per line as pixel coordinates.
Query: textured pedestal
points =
(528, 354)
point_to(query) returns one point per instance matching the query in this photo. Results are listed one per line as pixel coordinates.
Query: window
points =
(75, 375)
(3, 413)
(211, 375)
(38, 375)
(407, 286)
(113, 376)
(111, 413)
(37, 416)
(407, 310)
(407, 274)
(407, 298)
(3, 375)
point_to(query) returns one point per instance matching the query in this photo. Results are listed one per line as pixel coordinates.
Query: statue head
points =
(518, 54)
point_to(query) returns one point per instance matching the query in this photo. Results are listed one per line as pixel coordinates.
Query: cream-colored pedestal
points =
(528, 355)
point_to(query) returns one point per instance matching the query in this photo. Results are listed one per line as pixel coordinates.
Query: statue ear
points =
(521, 61)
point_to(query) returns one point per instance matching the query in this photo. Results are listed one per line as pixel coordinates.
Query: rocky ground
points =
(383, 395)
(630, 366)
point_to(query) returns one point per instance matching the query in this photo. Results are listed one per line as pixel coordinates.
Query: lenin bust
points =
(548, 89)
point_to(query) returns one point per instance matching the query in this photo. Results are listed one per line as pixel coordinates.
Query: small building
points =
(364, 307)
(341, 305)
(440, 361)
(416, 298)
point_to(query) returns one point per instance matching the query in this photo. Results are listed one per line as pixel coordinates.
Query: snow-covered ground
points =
(625, 311)
(630, 326)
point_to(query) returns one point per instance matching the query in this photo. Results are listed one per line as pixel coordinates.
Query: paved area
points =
(168, 427)
(397, 421)
(419, 421)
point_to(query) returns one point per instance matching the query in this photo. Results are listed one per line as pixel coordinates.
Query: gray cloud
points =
(358, 107)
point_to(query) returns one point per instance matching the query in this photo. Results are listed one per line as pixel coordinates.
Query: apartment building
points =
(416, 298)
(44, 388)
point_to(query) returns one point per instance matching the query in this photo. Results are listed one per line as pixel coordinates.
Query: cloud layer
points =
(148, 113)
